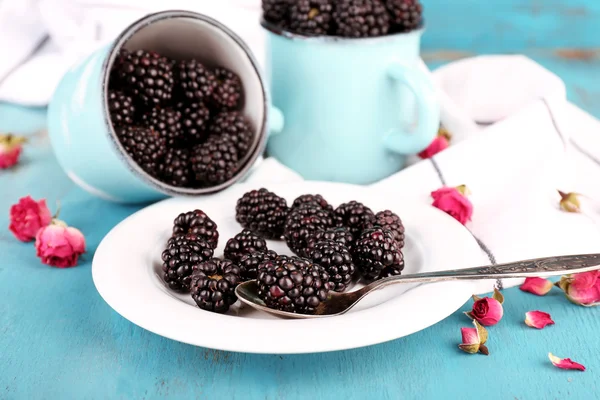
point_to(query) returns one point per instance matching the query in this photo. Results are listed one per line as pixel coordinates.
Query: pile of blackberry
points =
(344, 18)
(333, 247)
(179, 120)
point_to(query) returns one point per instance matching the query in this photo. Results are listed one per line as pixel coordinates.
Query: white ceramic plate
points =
(127, 273)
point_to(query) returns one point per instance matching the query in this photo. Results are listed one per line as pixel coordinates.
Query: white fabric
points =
(512, 167)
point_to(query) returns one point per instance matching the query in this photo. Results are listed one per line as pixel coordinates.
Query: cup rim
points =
(157, 184)
(281, 32)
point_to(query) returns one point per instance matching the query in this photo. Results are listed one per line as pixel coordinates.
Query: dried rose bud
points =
(10, 150)
(582, 289)
(569, 202)
(453, 201)
(473, 339)
(487, 311)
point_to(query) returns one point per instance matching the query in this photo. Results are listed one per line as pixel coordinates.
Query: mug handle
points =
(276, 121)
(428, 111)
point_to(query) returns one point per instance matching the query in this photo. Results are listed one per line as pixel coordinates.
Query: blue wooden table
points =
(59, 340)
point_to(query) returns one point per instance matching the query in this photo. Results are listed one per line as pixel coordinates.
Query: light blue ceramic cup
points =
(79, 126)
(353, 108)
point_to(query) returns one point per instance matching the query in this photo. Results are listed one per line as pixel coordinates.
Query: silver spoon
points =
(340, 303)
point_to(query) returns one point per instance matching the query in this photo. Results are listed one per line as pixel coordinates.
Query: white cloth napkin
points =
(512, 167)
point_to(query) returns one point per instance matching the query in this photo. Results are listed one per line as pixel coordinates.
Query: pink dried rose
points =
(569, 202)
(473, 339)
(582, 289)
(565, 363)
(27, 217)
(487, 311)
(537, 286)
(538, 319)
(10, 150)
(454, 201)
(59, 245)
(439, 144)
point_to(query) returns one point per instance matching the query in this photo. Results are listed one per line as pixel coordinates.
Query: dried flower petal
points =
(538, 319)
(565, 363)
(537, 286)
(569, 202)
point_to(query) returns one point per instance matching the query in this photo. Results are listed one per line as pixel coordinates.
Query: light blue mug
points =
(347, 104)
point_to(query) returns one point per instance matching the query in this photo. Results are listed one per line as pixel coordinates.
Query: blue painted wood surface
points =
(59, 340)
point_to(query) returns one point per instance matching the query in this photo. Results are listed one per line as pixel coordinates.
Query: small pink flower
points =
(10, 150)
(453, 201)
(27, 217)
(473, 339)
(537, 286)
(565, 363)
(59, 245)
(440, 143)
(487, 311)
(538, 319)
(582, 289)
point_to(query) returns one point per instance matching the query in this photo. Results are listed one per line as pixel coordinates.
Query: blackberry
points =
(196, 82)
(147, 76)
(194, 122)
(406, 14)
(146, 147)
(339, 235)
(120, 108)
(250, 263)
(215, 161)
(182, 255)
(229, 92)
(213, 285)
(199, 224)
(311, 17)
(234, 127)
(302, 223)
(166, 122)
(276, 11)
(115, 82)
(337, 261)
(243, 243)
(293, 284)
(316, 199)
(377, 255)
(392, 222)
(361, 18)
(175, 169)
(262, 212)
(355, 216)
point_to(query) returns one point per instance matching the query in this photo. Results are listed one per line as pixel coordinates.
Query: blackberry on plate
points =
(293, 284)
(175, 169)
(196, 82)
(250, 263)
(339, 235)
(120, 108)
(392, 222)
(337, 261)
(147, 76)
(229, 92)
(407, 15)
(316, 199)
(215, 161)
(311, 17)
(194, 122)
(276, 11)
(302, 223)
(263, 212)
(377, 255)
(355, 216)
(146, 147)
(243, 243)
(166, 122)
(199, 224)
(361, 18)
(182, 255)
(213, 285)
(234, 127)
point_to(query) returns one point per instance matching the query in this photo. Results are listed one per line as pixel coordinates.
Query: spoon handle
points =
(537, 267)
